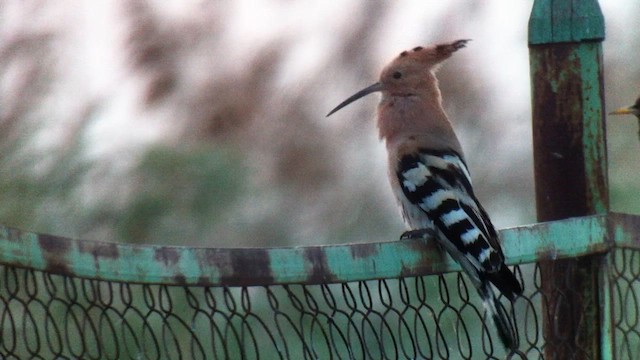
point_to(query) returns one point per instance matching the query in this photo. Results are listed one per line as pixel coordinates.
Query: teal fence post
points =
(565, 53)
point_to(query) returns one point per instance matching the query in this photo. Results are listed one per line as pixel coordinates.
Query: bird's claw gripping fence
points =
(69, 299)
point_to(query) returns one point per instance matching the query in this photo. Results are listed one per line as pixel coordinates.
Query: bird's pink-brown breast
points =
(405, 121)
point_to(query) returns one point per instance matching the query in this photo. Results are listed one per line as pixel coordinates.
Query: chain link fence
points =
(624, 274)
(49, 316)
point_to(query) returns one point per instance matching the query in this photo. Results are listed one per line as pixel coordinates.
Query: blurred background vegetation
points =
(203, 123)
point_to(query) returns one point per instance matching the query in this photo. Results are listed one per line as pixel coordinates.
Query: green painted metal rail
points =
(305, 264)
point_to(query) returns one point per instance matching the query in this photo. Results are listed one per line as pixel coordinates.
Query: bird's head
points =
(409, 72)
(629, 110)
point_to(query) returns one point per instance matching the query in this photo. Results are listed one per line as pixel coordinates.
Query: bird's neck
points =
(415, 116)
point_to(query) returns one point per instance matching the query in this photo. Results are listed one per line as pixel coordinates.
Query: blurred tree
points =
(203, 123)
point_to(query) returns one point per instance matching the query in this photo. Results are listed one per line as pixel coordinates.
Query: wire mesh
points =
(625, 271)
(45, 316)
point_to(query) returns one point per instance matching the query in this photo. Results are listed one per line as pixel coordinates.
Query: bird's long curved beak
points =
(364, 92)
(623, 111)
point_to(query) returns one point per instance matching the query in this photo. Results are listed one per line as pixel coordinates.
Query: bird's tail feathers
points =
(499, 316)
(506, 282)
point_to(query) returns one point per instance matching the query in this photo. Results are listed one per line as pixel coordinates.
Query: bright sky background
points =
(96, 78)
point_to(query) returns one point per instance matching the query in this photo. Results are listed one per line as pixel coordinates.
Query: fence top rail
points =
(173, 265)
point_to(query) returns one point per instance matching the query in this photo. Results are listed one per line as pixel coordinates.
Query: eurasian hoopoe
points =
(430, 179)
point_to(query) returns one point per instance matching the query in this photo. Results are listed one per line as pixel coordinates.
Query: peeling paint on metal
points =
(99, 250)
(54, 252)
(594, 129)
(624, 230)
(248, 267)
(363, 250)
(566, 73)
(167, 256)
(315, 264)
(318, 269)
(52, 244)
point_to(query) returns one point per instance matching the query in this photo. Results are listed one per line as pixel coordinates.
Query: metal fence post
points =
(565, 54)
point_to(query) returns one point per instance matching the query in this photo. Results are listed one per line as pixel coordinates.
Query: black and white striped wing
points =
(439, 185)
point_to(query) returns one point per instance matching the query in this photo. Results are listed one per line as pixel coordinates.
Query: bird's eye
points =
(397, 75)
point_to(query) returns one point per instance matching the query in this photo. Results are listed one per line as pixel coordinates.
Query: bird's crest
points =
(419, 60)
(431, 55)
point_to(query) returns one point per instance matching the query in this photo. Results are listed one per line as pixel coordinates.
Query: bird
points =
(430, 178)
(630, 110)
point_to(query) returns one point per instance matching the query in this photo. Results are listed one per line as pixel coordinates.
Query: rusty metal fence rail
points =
(143, 302)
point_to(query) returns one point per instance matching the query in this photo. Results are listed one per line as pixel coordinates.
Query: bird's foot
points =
(423, 234)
